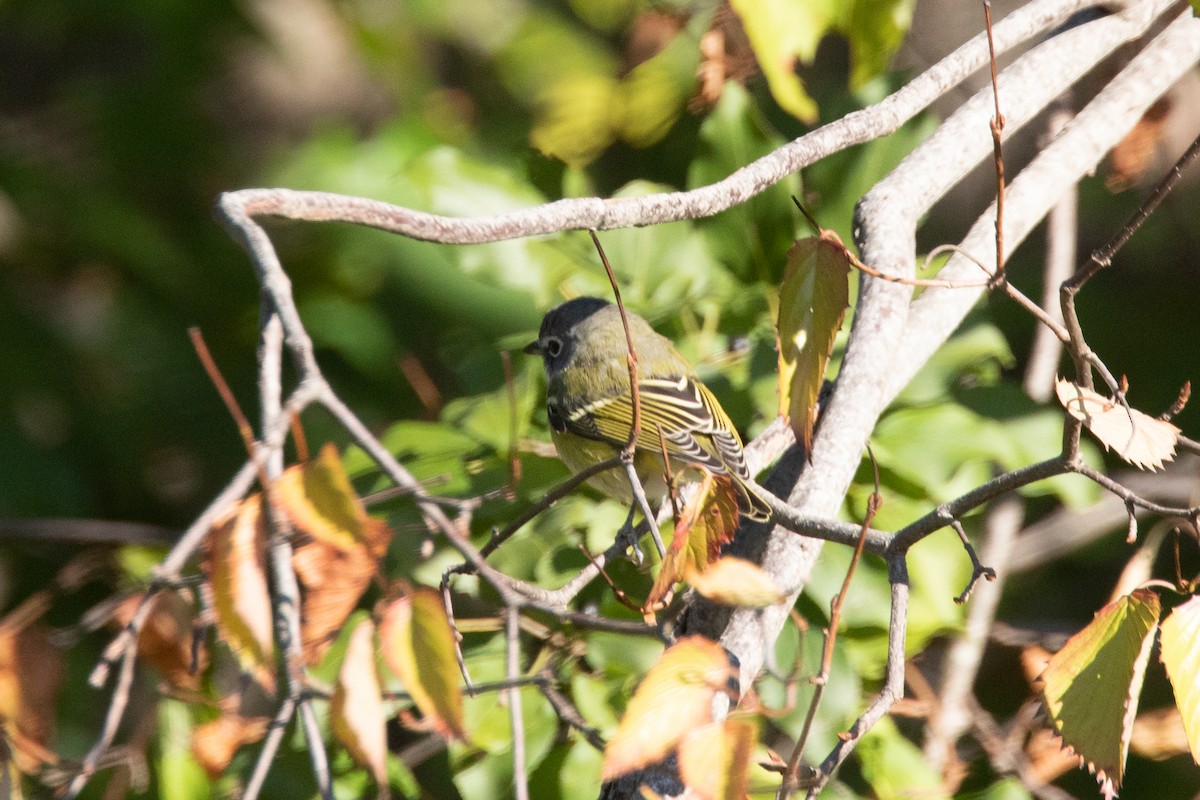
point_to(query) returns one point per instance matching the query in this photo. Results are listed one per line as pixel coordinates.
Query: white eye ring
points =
(553, 346)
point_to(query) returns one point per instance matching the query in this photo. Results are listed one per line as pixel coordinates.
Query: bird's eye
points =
(553, 346)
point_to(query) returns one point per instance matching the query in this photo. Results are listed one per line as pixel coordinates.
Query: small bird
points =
(583, 348)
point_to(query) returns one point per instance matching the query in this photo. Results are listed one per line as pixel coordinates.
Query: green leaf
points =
(752, 238)
(895, 767)
(813, 299)
(783, 32)
(1092, 684)
(875, 29)
(1181, 656)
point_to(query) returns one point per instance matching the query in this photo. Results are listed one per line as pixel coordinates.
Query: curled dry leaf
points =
(1140, 439)
(419, 648)
(235, 562)
(672, 700)
(356, 710)
(165, 642)
(735, 582)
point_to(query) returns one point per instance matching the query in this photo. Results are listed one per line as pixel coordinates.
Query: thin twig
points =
(791, 779)
(512, 669)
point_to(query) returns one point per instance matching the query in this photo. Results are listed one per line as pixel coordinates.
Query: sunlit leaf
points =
(321, 503)
(782, 32)
(1140, 439)
(333, 579)
(1092, 684)
(735, 582)
(674, 698)
(813, 299)
(1181, 655)
(875, 29)
(356, 709)
(215, 743)
(418, 645)
(714, 759)
(706, 522)
(236, 566)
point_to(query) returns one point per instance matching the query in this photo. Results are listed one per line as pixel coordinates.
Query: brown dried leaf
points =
(31, 672)
(235, 561)
(673, 699)
(166, 639)
(333, 580)
(356, 710)
(215, 743)
(419, 648)
(1140, 439)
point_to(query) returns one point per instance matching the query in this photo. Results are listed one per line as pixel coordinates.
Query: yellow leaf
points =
(235, 563)
(321, 503)
(714, 760)
(418, 645)
(673, 699)
(1140, 439)
(356, 710)
(1181, 656)
(813, 298)
(782, 32)
(1092, 685)
(735, 582)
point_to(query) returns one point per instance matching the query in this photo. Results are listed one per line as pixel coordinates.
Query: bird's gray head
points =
(562, 329)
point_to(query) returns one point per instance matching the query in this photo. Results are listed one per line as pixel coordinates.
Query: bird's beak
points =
(534, 348)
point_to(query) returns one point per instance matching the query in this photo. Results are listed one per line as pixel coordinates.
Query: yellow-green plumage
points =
(582, 343)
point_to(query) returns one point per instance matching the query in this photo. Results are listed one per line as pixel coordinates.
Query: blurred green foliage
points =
(120, 123)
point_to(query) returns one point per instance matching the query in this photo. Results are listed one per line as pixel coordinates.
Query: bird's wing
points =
(695, 427)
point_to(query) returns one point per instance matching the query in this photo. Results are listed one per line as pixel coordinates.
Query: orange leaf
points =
(813, 298)
(1138, 438)
(674, 698)
(321, 503)
(356, 710)
(707, 522)
(215, 743)
(235, 563)
(419, 647)
(735, 582)
(714, 760)
(334, 579)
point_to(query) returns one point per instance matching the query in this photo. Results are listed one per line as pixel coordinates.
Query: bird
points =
(590, 407)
